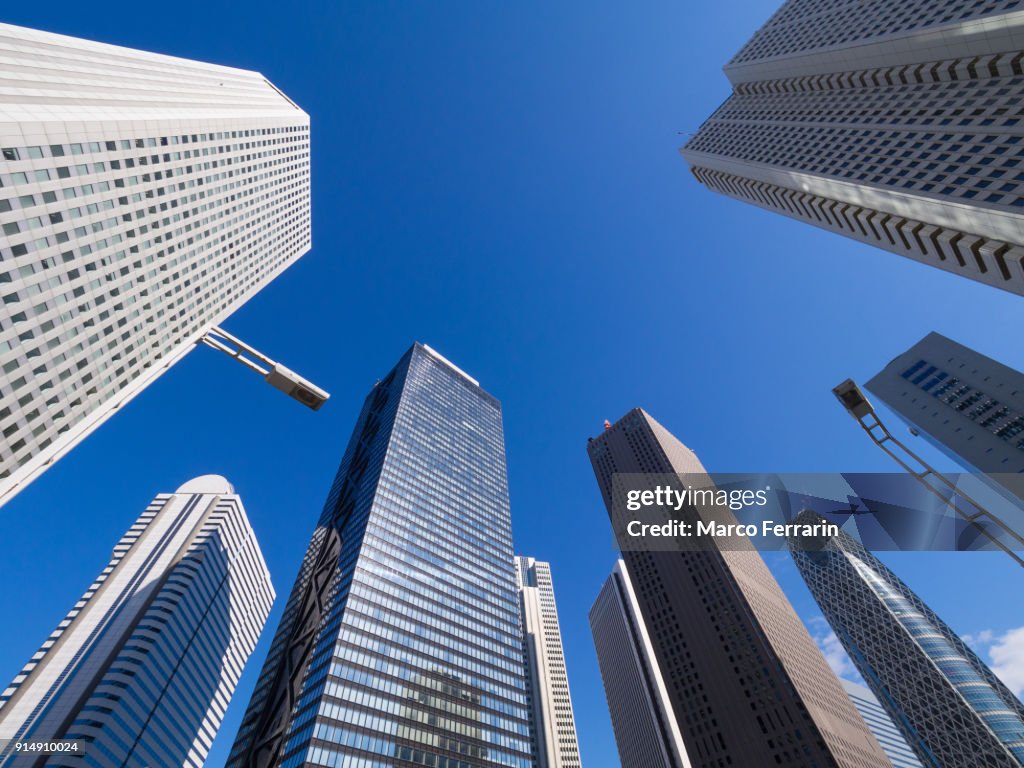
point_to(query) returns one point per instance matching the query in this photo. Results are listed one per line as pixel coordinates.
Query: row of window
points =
(990, 414)
(806, 25)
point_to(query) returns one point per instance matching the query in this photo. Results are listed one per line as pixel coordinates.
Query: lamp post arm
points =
(849, 394)
(275, 374)
(237, 354)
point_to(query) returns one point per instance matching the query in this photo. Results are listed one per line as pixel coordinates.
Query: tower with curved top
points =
(142, 668)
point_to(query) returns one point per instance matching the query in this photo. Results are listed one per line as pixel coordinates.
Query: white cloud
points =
(1007, 654)
(836, 656)
(833, 650)
(979, 640)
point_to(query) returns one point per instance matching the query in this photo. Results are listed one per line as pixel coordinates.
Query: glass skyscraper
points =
(950, 707)
(400, 644)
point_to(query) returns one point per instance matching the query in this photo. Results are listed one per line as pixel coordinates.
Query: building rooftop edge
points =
(442, 359)
(85, 43)
(207, 484)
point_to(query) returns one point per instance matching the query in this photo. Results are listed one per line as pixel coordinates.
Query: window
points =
(10, 154)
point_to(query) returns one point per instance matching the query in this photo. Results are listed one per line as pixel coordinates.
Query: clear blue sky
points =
(502, 182)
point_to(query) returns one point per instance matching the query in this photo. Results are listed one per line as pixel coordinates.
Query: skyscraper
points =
(748, 685)
(952, 710)
(966, 404)
(646, 732)
(143, 199)
(895, 123)
(143, 666)
(554, 726)
(400, 644)
(882, 726)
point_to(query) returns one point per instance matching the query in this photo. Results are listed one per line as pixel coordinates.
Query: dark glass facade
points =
(400, 645)
(950, 707)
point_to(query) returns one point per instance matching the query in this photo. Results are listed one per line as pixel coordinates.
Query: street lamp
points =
(275, 374)
(858, 406)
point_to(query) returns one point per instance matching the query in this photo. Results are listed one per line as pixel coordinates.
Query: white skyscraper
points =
(893, 122)
(143, 198)
(553, 722)
(646, 732)
(142, 668)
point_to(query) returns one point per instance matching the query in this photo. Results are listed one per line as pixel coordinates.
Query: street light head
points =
(296, 387)
(853, 400)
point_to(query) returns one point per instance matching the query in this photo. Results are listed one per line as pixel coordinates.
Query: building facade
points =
(891, 122)
(882, 726)
(748, 685)
(952, 710)
(554, 726)
(143, 199)
(142, 668)
(401, 643)
(646, 732)
(964, 403)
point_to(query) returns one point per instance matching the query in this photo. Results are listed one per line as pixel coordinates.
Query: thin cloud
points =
(1007, 654)
(980, 640)
(833, 650)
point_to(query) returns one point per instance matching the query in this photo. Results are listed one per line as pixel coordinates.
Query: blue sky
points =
(502, 182)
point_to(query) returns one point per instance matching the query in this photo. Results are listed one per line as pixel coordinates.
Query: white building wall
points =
(155, 647)
(143, 198)
(554, 724)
